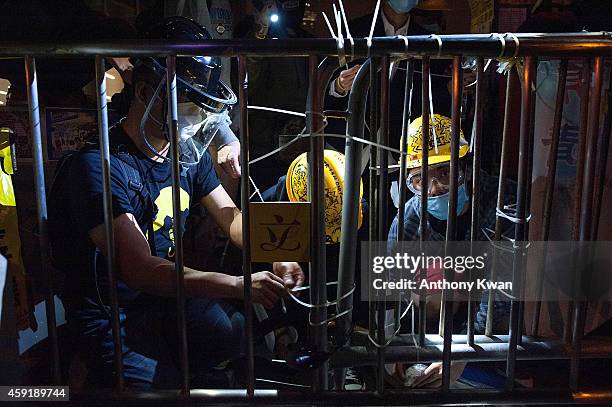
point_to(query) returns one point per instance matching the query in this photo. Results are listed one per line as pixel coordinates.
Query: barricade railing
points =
(524, 47)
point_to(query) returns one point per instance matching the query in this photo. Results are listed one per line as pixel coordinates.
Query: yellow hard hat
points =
(297, 189)
(438, 152)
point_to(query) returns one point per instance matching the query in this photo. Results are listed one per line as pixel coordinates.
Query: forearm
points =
(235, 229)
(157, 276)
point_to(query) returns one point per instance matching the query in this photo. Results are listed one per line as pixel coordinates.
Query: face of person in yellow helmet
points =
(438, 180)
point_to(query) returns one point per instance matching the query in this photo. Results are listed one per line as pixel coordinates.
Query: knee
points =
(229, 333)
(235, 334)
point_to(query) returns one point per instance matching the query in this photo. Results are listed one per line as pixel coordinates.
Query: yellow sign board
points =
(280, 231)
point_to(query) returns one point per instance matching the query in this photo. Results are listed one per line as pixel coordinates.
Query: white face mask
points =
(190, 119)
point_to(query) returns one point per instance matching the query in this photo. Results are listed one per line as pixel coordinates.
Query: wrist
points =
(238, 288)
(339, 88)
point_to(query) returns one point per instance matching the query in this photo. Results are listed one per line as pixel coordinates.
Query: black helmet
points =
(197, 76)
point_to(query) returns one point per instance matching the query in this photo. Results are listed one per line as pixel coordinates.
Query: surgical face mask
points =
(403, 6)
(437, 206)
(190, 119)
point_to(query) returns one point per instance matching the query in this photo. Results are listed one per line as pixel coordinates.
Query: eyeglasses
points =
(440, 174)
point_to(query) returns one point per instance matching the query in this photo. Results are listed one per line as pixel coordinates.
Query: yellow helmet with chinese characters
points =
(439, 148)
(297, 189)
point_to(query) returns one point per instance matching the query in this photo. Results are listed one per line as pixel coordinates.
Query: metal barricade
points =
(590, 46)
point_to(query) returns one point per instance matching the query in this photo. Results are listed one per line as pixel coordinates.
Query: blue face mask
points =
(437, 206)
(403, 6)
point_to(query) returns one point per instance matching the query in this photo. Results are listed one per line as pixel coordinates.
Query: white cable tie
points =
(339, 39)
(348, 32)
(256, 189)
(374, 18)
(487, 65)
(403, 37)
(508, 295)
(346, 26)
(330, 319)
(327, 304)
(512, 219)
(403, 314)
(439, 39)
(495, 243)
(317, 134)
(433, 117)
(473, 136)
(516, 41)
(399, 327)
(329, 27)
(273, 109)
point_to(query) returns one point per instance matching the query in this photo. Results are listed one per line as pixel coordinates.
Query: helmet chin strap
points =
(163, 126)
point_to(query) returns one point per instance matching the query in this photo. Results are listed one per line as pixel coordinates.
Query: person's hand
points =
(228, 157)
(432, 376)
(290, 272)
(266, 288)
(124, 67)
(344, 82)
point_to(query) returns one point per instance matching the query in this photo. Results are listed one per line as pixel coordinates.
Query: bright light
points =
(3, 92)
(109, 76)
(274, 18)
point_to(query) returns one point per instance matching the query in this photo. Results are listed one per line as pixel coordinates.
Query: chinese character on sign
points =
(280, 231)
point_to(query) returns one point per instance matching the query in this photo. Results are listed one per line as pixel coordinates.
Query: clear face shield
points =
(196, 130)
(198, 123)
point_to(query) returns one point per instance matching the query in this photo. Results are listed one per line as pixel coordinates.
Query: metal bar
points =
(485, 45)
(383, 204)
(550, 184)
(586, 212)
(602, 162)
(373, 187)
(423, 231)
(41, 212)
(522, 208)
(483, 352)
(108, 219)
(476, 151)
(317, 215)
(177, 225)
(392, 397)
(451, 226)
(532, 119)
(585, 87)
(350, 206)
(244, 204)
(406, 114)
(511, 83)
(460, 339)
(586, 207)
(408, 85)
